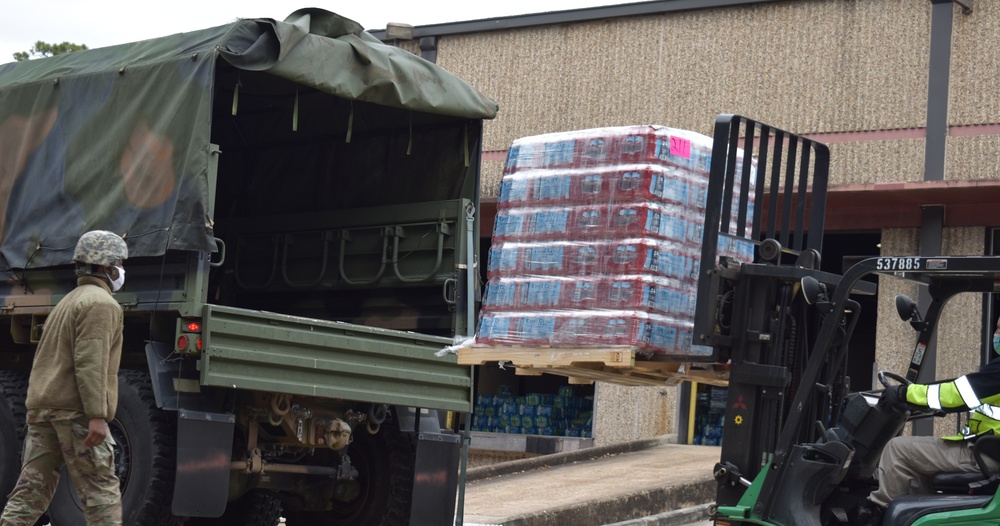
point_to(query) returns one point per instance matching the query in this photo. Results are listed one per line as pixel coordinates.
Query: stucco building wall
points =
(826, 67)
(823, 66)
(816, 66)
(623, 413)
(959, 338)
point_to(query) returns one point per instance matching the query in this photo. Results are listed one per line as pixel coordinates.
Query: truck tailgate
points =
(265, 351)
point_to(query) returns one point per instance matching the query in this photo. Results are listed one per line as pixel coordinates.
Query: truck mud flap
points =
(429, 421)
(204, 460)
(435, 478)
(175, 382)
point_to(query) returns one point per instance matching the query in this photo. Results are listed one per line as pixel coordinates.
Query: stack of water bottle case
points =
(562, 414)
(597, 241)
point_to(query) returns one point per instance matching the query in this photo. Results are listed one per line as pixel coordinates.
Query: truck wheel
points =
(385, 476)
(256, 508)
(145, 457)
(13, 387)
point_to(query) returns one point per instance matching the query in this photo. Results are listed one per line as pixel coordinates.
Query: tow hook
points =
(376, 415)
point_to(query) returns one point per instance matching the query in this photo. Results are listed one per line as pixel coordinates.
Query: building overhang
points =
(898, 205)
(550, 18)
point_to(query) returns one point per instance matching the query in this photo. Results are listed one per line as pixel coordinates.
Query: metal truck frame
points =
(299, 201)
(798, 448)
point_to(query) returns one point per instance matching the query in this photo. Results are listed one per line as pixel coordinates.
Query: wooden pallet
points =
(616, 365)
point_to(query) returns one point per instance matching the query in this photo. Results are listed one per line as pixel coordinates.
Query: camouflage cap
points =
(100, 247)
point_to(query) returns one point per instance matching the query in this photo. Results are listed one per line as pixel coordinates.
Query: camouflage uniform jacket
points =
(76, 364)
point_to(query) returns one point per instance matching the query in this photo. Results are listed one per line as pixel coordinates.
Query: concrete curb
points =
(647, 504)
(671, 518)
(559, 459)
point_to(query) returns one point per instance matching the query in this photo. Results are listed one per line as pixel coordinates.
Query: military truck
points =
(299, 202)
(799, 448)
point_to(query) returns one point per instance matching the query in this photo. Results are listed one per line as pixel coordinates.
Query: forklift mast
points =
(752, 315)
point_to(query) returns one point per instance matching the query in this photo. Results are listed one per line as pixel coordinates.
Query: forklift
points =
(800, 449)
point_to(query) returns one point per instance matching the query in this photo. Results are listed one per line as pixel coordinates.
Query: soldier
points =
(73, 392)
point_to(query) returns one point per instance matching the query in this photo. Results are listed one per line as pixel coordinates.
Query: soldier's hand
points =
(98, 431)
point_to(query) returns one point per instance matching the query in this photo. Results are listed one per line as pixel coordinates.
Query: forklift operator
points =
(908, 462)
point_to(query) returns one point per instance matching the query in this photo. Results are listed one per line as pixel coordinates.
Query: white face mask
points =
(116, 284)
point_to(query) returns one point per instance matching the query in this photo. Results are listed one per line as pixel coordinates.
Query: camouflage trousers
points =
(47, 446)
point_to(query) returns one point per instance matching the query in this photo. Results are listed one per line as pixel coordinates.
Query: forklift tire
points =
(385, 464)
(145, 457)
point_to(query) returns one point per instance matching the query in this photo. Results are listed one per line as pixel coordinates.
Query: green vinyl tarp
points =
(119, 138)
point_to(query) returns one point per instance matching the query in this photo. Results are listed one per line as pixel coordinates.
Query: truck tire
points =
(13, 387)
(145, 458)
(385, 473)
(256, 508)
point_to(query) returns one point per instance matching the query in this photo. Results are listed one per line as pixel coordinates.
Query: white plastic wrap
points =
(597, 240)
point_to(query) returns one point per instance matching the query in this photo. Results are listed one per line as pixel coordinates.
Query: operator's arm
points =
(95, 326)
(961, 394)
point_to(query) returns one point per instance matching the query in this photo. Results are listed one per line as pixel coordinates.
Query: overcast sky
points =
(99, 23)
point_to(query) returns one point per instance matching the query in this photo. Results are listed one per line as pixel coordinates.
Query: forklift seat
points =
(982, 482)
(905, 510)
(962, 491)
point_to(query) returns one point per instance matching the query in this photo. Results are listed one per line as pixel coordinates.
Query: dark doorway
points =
(991, 302)
(840, 250)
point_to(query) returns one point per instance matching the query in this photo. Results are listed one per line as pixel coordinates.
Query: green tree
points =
(44, 49)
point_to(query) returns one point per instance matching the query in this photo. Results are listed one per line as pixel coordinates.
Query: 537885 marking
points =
(902, 263)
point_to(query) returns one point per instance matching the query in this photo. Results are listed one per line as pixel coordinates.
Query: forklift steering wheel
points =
(885, 376)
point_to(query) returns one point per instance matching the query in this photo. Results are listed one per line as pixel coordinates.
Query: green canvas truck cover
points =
(118, 138)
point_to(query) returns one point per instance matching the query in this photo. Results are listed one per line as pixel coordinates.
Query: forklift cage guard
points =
(944, 277)
(783, 200)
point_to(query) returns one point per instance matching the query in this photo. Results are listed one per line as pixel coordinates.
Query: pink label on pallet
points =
(680, 147)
